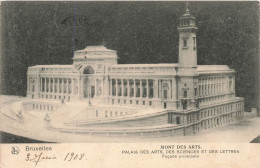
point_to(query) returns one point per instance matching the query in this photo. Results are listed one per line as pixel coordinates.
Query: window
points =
(137, 101)
(165, 94)
(143, 102)
(178, 120)
(184, 42)
(184, 104)
(112, 101)
(165, 105)
(195, 91)
(125, 101)
(88, 70)
(194, 42)
(118, 101)
(185, 93)
(130, 101)
(150, 103)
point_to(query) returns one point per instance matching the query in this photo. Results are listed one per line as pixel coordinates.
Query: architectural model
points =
(98, 97)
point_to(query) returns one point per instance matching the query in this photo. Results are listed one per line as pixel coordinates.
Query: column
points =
(58, 85)
(123, 87)
(155, 90)
(49, 85)
(141, 88)
(159, 89)
(134, 89)
(40, 84)
(62, 86)
(53, 83)
(116, 87)
(207, 86)
(67, 85)
(147, 88)
(174, 89)
(72, 86)
(95, 86)
(211, 86)
(202, 87)
(217, 81)
(110, 86)
(45, 84)
(128, 88)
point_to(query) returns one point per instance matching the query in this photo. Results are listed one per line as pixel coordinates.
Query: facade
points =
(147, 100)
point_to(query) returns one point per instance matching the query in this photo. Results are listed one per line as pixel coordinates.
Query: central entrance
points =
(88, 82)
(88, 88)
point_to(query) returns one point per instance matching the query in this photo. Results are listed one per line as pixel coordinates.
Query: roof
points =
(99, 48)
(51, 66)
(214, 68)
(143, 65)
(95, 52)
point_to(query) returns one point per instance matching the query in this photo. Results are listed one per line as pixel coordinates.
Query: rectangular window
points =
(185, 93)
(195, 91)
(112, 101)
(150, 103)
(184, 42)
(137, 101)
(194, 42)
(165, 94)
(130, 101)
(143, 102)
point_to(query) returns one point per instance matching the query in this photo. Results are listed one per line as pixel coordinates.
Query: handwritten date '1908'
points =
(70, 156)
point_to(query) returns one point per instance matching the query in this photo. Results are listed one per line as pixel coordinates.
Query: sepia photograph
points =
(129, 71)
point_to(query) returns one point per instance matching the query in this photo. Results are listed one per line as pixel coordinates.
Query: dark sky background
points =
(36, 33)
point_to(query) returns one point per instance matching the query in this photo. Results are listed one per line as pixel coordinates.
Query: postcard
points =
(130, 84)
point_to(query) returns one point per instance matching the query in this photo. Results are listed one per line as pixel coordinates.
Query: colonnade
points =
(57, 85)
(215, 85)
(145, 88)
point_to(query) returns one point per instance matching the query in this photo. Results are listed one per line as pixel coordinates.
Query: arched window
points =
(88, 70)
(178, 120)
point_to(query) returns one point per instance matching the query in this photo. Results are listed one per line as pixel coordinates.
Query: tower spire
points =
(187, 11)
(187, 40)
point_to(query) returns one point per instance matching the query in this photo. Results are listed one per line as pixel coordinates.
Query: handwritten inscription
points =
(36, 158)
(39, 157)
